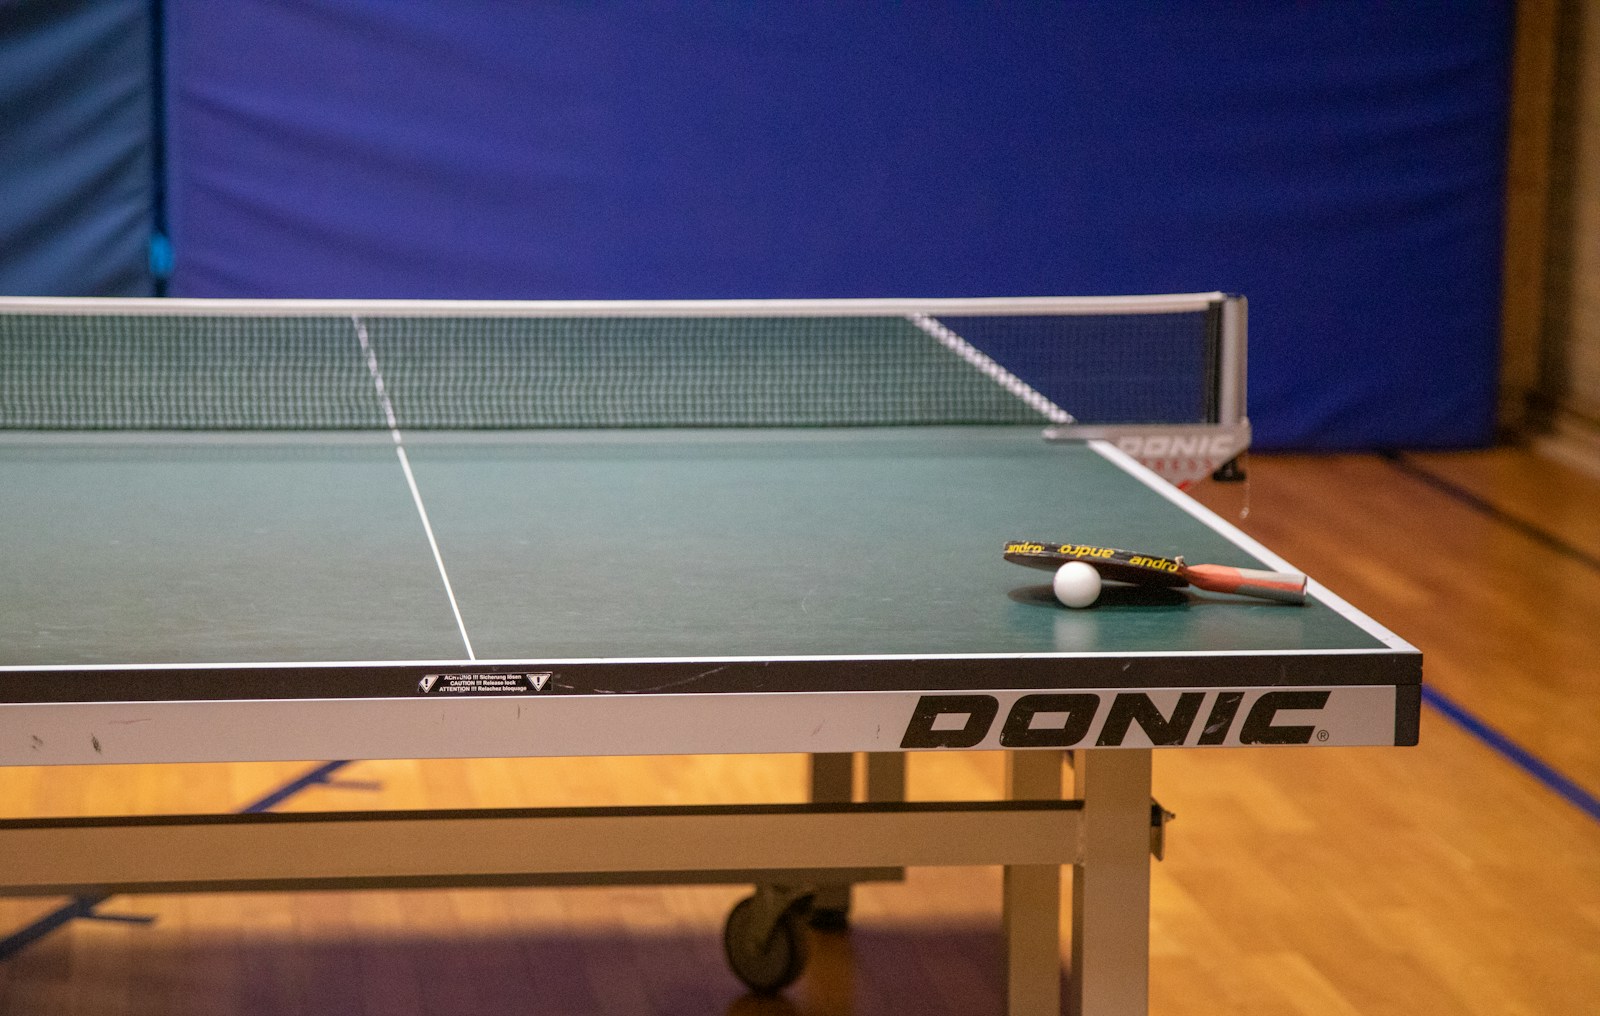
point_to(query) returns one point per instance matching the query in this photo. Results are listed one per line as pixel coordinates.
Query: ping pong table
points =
(633, 529)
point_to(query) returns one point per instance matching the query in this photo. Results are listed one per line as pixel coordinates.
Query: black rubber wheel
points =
(766, 962)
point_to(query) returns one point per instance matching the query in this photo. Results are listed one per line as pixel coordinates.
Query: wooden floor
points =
(1433, 881)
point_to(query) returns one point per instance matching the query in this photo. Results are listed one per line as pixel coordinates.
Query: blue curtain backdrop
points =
(76, 176)
(1340, 163)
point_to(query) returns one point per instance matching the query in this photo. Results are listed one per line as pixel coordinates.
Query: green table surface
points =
(217, 548)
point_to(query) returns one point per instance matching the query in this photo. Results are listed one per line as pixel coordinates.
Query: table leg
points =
(1110, 973)
(886, 776)
(832, 782)
(1031, 899)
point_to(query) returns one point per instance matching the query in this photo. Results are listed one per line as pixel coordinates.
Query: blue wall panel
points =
(76, 179)
(1340, 164)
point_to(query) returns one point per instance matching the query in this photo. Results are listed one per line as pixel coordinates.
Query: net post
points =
(1233, 375)
(1233, 372)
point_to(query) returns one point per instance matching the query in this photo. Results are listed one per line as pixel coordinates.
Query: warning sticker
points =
(483, 683)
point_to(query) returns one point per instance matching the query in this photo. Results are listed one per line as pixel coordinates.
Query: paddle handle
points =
(1286, 587)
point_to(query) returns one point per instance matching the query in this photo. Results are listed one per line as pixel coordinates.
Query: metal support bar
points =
(368, 849)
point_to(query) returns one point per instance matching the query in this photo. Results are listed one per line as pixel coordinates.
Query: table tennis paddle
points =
(1151, 570)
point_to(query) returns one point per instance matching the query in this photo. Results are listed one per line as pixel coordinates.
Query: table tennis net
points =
(205, 371)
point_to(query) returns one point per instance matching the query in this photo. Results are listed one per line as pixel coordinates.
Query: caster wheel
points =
(766, 959)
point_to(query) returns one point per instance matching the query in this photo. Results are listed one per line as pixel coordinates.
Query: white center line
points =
(411, 480)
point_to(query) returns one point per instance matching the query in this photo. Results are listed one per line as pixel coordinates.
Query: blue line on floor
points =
(83, 907)
(1537, 533)
(1511, 750)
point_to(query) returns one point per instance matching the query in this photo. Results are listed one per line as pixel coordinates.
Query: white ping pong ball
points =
(1076, 584)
